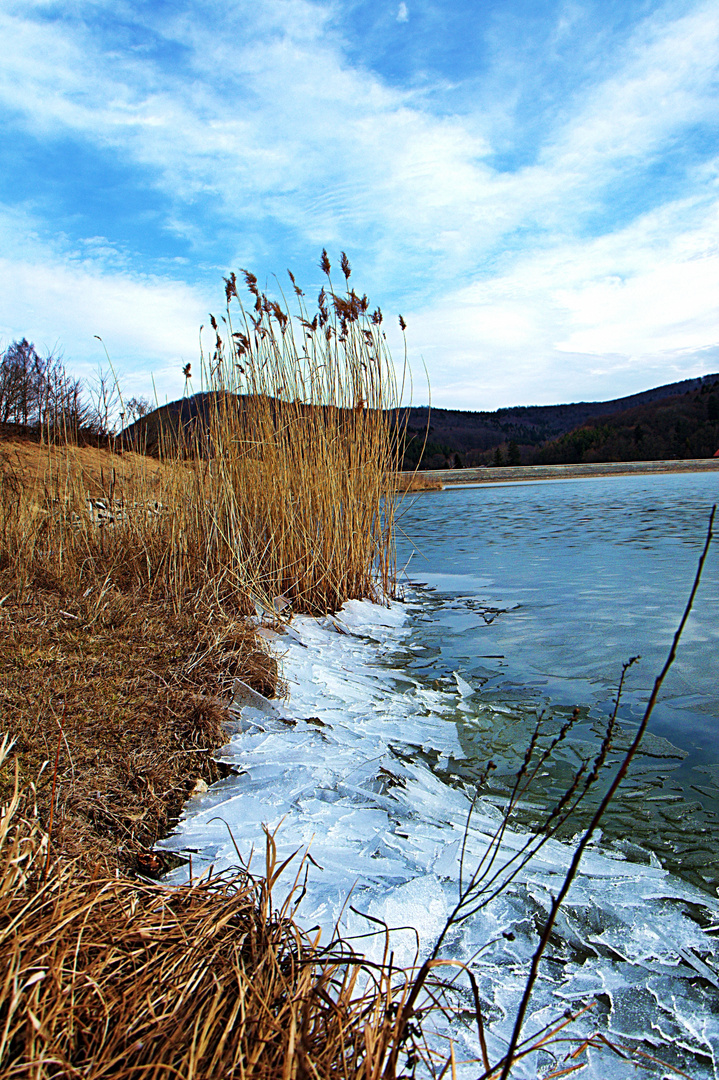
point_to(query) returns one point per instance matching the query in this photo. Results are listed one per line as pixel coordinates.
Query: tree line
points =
(39, 395)
(671, 428)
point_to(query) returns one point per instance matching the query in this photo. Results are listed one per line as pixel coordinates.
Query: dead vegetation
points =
(409, 483)
(128, 696)
(106, 976)
(34, 463)
(126, 587)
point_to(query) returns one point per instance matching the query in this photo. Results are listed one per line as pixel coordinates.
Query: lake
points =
(538, 592)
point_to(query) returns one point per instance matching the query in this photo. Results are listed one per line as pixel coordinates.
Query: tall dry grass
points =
(103, 976)
(299, 447)
(282, 485)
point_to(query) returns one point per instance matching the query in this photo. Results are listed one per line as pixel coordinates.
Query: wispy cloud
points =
(264, 142)
(60, 299)
(584, 320)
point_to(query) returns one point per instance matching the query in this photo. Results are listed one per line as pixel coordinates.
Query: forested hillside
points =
(679, 420)
(456, 438)
(684, 426)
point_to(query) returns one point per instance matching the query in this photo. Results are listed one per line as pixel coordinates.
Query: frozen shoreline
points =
(338, 768)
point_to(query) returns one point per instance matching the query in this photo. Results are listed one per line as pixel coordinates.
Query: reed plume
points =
(277, 479)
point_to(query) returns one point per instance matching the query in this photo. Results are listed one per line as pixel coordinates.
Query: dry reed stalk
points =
(104, 976)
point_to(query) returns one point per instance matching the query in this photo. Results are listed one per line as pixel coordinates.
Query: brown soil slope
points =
(115, 699)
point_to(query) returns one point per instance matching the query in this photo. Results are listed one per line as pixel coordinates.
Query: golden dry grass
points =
(125, 585)
(104, 663)
(118, 569)
(36, 465)
(130, 695)
(105, 976)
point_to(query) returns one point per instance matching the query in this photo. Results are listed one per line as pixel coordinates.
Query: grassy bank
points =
(107, 976)
(417, 481)
(115, 667)
(130, 589)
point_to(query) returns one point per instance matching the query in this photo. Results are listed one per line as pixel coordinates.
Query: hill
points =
(682, 426)
(457, 437)
(181, 415)
(676, 420)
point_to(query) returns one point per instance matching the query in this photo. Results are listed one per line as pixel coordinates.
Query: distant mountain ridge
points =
(675, 428)
(463, 432)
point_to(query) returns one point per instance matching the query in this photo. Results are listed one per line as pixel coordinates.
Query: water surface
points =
(537, 593)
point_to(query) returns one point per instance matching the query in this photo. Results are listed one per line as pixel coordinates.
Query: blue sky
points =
(533, 185)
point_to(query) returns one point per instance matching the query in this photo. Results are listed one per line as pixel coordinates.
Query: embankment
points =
(488, 475)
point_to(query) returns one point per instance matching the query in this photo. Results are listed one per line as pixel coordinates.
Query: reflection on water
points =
(536, 594)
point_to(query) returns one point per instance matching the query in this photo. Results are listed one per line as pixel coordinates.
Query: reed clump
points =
(412, 482)
(295, 446)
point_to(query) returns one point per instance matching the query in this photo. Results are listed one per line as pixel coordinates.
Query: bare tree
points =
(37, 391)
(136, 408)
(22, 374)
(106, 402)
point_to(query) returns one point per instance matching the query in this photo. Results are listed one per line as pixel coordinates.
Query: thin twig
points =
(582, 845)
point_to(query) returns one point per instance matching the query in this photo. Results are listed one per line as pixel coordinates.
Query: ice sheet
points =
(342, 769)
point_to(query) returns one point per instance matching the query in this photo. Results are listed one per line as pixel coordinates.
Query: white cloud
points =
(667, 81)
(588, 321)
(264, 124)
(258, 130)
(402, 13)
(61, 300)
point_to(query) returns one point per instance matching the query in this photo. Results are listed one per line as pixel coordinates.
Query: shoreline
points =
(511, 473)
(73, 620)
(334, 767)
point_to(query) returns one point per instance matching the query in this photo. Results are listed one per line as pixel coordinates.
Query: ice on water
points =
(339, 770)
